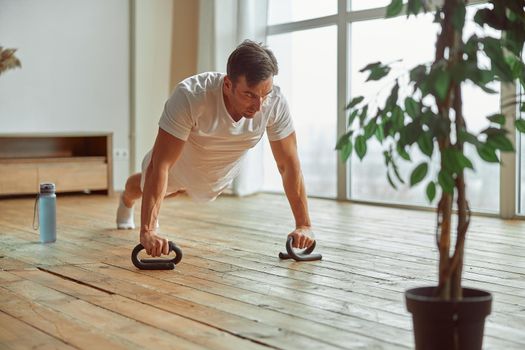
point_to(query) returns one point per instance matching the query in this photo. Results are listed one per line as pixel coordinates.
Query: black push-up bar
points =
(156, 264)
(303, 256)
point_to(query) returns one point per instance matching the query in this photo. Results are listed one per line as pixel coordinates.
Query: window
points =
(304, 35)
(387, 41)
(307, 77)
(282, 11)
(357, 5)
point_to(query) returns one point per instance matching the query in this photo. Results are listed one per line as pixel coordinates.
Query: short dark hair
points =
(253, 60)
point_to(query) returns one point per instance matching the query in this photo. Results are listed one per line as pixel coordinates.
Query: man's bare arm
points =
(166, 151)
(287, 159)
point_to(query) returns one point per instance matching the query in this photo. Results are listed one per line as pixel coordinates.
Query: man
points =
(208, 124)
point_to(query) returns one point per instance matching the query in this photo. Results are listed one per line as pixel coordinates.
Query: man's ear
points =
(228, 84)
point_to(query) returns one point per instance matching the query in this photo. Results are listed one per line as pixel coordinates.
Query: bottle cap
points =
(47, 187)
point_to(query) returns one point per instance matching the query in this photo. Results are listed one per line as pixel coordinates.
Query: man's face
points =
(247, 100)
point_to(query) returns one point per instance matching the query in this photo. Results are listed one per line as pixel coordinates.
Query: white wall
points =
(75, 69)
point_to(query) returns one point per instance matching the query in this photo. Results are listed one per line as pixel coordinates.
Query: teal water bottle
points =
(45, 209)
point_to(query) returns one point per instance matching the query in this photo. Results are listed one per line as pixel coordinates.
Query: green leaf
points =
(455, 161)
(487, 153)
(437, 16)
(512, 16)
(418, 174)
(481, 15)
(411, 133)
(468, 137)
(413, 7)
(388, 158)
(471, 46)
(390, 180)
(431, 191)
(398, 118)
(418, 73)
(500, 142)
(450, 162)
(515, 64)
(402, 152)
(346, 151)
(377, 73)
(380, 135)
(412, 107)
(396, 172)
(464, 162)
(341, 143)
(493, 49)
(426, 144)
(388, 127)
(441, 84)
(490, 131)
(446, 181)
(394, 8)
(355, 101)
(370, 129)
(363, 115)
(352, 116)
(370, 66)
(480, 77)
(392, 99)
(487, 89)
(520, 125)
(343, 140)
(360, 146)
(497, 118)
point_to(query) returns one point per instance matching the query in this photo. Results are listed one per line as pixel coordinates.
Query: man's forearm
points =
(294, 188)
(154, 191)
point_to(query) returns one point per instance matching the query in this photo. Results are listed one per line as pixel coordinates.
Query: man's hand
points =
(303, 237)
(155, 245)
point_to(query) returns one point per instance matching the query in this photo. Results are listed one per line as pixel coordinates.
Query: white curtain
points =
(224, 24)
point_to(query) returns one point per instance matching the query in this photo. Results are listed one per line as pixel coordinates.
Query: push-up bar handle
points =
(156, 264)
(304, 256)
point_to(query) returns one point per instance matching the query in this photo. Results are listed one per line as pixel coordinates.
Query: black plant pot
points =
(450, 325)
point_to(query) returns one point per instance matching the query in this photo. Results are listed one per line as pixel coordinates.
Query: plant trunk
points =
(444, 208)
(444, 223)
(450, 267)
(463, 209)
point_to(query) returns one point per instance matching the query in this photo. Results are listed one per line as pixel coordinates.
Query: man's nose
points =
(258, 103)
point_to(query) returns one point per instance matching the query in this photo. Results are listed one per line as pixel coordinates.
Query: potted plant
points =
(8, 59)
(446, 316)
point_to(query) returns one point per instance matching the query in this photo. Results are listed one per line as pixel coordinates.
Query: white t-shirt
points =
(215, 143)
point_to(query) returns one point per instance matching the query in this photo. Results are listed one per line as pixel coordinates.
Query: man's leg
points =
(131, 193)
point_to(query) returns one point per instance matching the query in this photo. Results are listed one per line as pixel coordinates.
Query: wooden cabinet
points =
(73, 162)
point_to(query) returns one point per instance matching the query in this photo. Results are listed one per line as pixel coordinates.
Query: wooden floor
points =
(231, 291)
